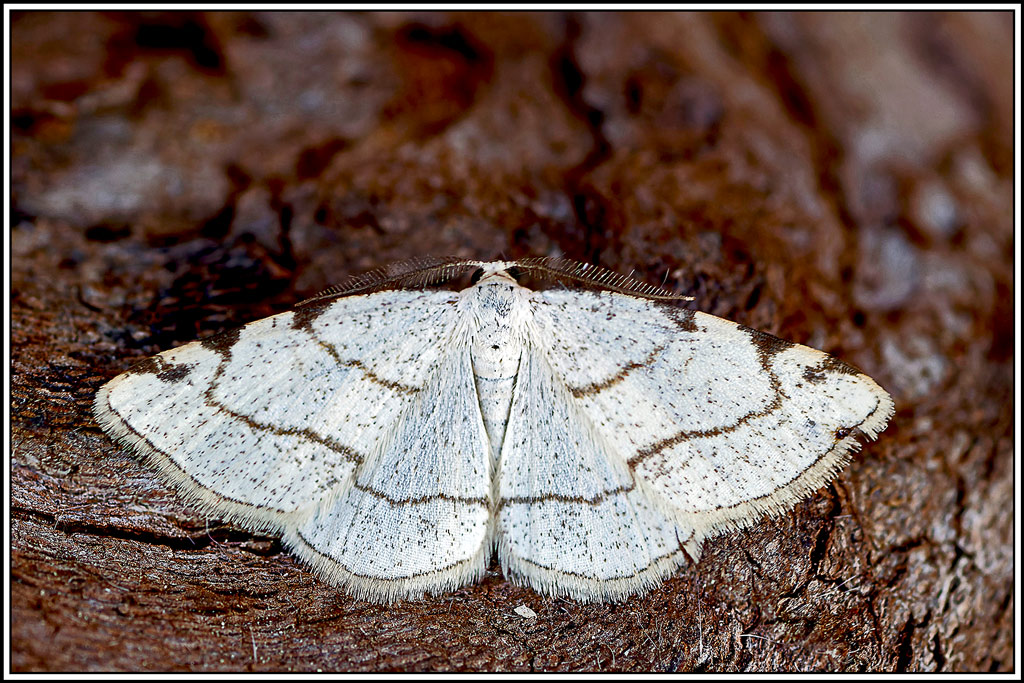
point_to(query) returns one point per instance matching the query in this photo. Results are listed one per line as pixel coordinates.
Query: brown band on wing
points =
(169, 460)
(598, 387)
(407, 389)
(376, 379)
(596, 499)
(304, 315)
(840, 434)
(330, 444)
(402, 502)
(224, 349)
(223, 345)
(767, 347)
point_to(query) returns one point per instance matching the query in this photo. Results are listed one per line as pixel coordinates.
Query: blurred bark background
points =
(843, 180)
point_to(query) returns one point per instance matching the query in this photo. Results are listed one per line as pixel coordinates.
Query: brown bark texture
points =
(843, 180)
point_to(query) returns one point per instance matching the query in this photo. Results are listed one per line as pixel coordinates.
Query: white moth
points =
(395, 436)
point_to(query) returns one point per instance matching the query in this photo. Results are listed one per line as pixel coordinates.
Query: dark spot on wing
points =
(304, 316)
(222, 343)
(164, 371)
(682, 317)
(175, 373)
(828, 366)
(150, 366)
(767, 345)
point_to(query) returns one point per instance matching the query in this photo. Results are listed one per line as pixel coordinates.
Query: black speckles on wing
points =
(263, 421)
(418, 511)
(721, 422)
(570, 519)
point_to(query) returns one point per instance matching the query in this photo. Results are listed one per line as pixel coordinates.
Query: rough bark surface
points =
(841, 180)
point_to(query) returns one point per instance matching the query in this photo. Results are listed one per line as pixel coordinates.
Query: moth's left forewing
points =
(719, 423)
(806, 410)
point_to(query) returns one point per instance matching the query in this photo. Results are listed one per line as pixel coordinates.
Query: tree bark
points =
(840, 180)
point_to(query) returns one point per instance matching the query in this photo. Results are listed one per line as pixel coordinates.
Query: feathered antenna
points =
(566, 269)
(426, 271)
(409, 274)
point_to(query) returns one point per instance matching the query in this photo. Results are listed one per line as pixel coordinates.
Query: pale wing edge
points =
(390, 590)
(823, 471)
(563, 584)
(191, 491)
